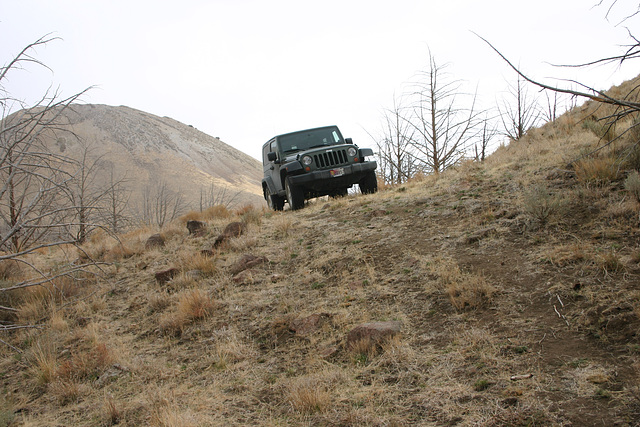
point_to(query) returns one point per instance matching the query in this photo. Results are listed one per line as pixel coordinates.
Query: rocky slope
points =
(148, 149)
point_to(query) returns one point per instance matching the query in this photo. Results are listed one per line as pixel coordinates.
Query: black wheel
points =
(295, 195)
(274, 201)
(369, 184)
(339, 193)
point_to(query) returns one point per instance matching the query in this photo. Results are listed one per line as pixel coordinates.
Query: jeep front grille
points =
(331, 158)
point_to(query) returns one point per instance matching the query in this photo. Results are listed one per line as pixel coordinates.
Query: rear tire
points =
(274, 201)
(339, 193)
(369, 184)
(295, 195)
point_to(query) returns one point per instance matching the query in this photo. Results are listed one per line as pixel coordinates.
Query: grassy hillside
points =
(515, 284)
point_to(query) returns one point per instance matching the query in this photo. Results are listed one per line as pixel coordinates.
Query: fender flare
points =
(268, 182)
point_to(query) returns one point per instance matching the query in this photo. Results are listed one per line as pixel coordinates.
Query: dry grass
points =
(558, 302)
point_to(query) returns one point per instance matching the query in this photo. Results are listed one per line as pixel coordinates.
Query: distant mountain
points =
(148, 150)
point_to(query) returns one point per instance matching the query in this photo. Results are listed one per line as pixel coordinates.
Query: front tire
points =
(295, 195)
(369, 184)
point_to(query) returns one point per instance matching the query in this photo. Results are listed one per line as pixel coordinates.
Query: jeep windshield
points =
(307, 139)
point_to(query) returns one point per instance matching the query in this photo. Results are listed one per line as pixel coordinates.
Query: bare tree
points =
(395, 150)
(443, 125)
(623, 107)
(33, 179)
(34, 182)
(115, 203)
(217, 195)
(488, 131)
(519, 112)
(85, 192)
(161, 205)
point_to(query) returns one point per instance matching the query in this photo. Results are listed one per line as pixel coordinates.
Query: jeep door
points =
(271, 168)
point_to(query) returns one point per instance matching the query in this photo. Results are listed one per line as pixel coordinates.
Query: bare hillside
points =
(148, 149)
(502, 293)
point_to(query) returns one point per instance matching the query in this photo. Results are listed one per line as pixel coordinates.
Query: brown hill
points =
(148, 149)
(502, 293)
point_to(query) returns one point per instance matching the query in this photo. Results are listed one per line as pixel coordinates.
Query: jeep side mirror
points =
(271, 156)
(348, 141)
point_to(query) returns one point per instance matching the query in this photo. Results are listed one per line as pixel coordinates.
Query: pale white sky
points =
(245, 70)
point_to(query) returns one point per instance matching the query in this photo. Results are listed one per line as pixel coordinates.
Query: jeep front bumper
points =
(320, 180)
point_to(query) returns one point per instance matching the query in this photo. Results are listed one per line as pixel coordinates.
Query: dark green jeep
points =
(312, 163)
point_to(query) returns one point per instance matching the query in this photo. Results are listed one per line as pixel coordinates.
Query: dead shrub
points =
(596, 171)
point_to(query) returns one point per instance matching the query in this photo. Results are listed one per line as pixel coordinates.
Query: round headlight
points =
(306, 160)
(352, 152)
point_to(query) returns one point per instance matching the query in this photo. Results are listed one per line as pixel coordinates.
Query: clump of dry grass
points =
(111, 412)
(66, 391)
(44, 361)
(308, 395)
(466, 290)
(610, 263)
(596, 171)
(10, 269)
(230, 350)
(199, 261)
(250, 214)
(632, 185)
(192, 305)
(283, 225)
(363, 351)
(195, 304)
(86, 364)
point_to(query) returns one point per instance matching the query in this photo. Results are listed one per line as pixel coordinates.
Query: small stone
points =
(375, 332)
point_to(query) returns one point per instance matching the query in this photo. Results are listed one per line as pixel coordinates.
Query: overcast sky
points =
(245, 70)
